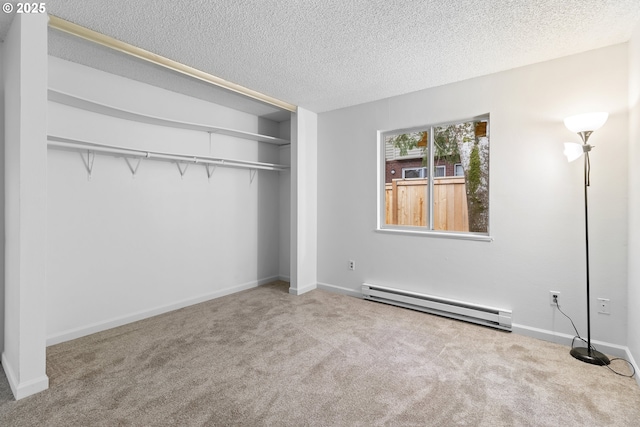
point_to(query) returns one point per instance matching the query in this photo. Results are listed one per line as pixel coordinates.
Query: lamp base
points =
(589, 356)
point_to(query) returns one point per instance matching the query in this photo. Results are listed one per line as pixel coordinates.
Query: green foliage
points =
(407, 141)
(474, 174)
(474, 179)
(444, 144)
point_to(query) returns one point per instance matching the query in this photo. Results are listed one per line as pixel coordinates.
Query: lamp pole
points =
(586, 239)
(588, 354)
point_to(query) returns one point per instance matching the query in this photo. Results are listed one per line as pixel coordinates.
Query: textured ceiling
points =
(71, 48)
(328, 54)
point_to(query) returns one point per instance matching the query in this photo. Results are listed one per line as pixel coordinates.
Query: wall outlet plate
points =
(551, 295)
(603, 306)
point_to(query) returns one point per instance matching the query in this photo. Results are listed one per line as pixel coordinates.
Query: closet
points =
(155, 200)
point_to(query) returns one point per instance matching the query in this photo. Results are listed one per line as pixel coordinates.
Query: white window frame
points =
(442, 168)
(422, 169)
(381, 225)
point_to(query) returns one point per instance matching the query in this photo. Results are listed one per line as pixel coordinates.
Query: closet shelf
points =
(62, 143)
(96, 107)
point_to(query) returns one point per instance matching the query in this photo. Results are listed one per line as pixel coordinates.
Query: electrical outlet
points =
(554, 296)
(603, 306)
(352, 264)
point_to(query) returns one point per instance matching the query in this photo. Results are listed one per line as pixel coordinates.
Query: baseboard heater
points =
(488, 316)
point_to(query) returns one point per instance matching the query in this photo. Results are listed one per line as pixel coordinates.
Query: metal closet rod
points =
(77, 145)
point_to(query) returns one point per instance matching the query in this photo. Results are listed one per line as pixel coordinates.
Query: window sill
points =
(410, 231)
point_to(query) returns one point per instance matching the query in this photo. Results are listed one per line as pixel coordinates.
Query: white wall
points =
(25, 169)
(537, 213)
(634, 196)
(122, 248)
(285, 204)
(1, 198)
(304, 182)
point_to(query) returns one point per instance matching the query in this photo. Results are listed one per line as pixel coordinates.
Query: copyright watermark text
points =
(24, 7)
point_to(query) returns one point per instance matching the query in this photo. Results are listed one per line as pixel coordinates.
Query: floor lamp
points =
(584, 125)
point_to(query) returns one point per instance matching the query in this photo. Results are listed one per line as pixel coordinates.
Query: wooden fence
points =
(407, 203)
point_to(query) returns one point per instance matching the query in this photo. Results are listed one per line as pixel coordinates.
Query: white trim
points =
(419, 231)
(421, 170)
(27, 388)
(340, 290)
(635, 365)
(302, 290)
(565, 339)
(144, 314)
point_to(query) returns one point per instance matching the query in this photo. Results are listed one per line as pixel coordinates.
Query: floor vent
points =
(488, 316)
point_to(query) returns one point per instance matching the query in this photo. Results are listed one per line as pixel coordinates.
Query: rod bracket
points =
(88, 162)
(181, 169)
(210, 170)
(133, 169)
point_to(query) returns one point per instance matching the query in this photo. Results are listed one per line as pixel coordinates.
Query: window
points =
(414, 173)
(458, 153)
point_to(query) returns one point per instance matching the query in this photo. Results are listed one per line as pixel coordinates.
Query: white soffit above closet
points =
(327, 54)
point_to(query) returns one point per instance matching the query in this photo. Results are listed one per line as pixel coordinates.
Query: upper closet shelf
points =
(96, 107)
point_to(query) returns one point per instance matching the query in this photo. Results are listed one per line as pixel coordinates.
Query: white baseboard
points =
(82, 331)
(26, 388)
(634, 364)
(302, 290)
(565, 339)
(340, 290)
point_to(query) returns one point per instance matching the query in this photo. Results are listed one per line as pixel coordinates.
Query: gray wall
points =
(537, 213)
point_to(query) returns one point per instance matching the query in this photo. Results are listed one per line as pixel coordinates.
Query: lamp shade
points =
(586, 122)
(573, 151)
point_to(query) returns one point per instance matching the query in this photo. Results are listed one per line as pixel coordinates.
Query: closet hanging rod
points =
(77, 145)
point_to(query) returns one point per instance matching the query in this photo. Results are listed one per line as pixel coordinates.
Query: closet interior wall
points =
(122, 247)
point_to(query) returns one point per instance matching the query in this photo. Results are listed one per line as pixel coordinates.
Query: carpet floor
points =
(265, 357)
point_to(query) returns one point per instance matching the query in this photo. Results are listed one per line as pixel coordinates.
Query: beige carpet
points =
(264, 357)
